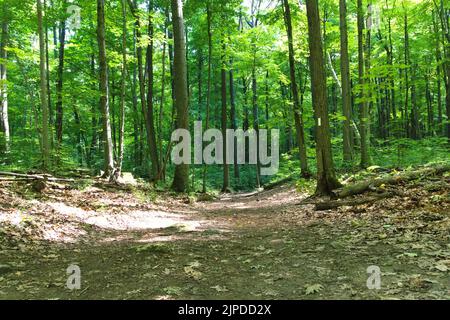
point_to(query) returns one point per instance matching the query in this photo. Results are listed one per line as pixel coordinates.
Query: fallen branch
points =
(34, 177)
(328, 205)
(364, 186)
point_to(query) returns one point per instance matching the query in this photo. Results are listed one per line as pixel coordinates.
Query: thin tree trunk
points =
(407, 84)
(150, 130)
(104, 91)
(150, 107)
(60, 82)
(163, 95)
(208, 89)
(226, 168)
(136, 120)
(4, 121)
(43, 85)
(364, 108)
(49, 98)
(122, 89)
(345, 81)
(233, 118)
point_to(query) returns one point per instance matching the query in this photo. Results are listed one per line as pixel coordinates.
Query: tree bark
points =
(122, 90)
(104, 92)
(345, 80)
(60, 82)
(233, 118)
(326, 177)
(208, 88)
(150, 108)
(364, 107)
(44, 94)
(226, 168)
(298, 118)
(4, 120)
(181, 178)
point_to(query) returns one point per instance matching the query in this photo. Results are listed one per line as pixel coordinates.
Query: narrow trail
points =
(243, 246)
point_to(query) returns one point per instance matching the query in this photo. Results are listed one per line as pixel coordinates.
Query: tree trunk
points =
(4, 121)
(364, 108)
(326, 178)
(208, 89)
(43, 85)
(415, 129)
(60, 82)
(181, 178)
(162, 101)
(104, 92)
(149, 128)
(226, 168)
(233, 119)
(440, 124)
(345, 81)
(407, 84)
(150, 109)
(298, 118)
(47, 63)
(122, 90)
(136, 119)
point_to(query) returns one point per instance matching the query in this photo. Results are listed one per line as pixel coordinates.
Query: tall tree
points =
(43, 92)
(255, 8)
(4, 120)
(60, 80)
(298, 118)
(153, 148)
(208, 88)
(326, 177)
(123, 89)
(226, 168)
(181, 178)
(345, 81)
(364, 106)
(104, 92)
(233, 118)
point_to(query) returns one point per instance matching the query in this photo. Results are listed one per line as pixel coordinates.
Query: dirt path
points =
(248, 246)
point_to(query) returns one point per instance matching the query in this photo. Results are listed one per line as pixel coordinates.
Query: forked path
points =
(246, 246)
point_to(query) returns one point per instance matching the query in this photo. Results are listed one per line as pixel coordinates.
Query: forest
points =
(224, 149)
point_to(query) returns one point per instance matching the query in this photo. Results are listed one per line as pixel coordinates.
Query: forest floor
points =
(134, 244)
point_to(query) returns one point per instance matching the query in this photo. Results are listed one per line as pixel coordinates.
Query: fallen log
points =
(364, 186)
(334, 204)
(44, 177)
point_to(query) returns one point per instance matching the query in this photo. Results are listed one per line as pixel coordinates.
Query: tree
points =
(123, 89)
(150, 109)
(146, 101)
(295, 96)
(4, 120)
(43, 92)
(60, 80)
(364, 106)
(104, 92)
(181, 178)
(226, 174)
(326, 177)
(208, 89)
(345, 81)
